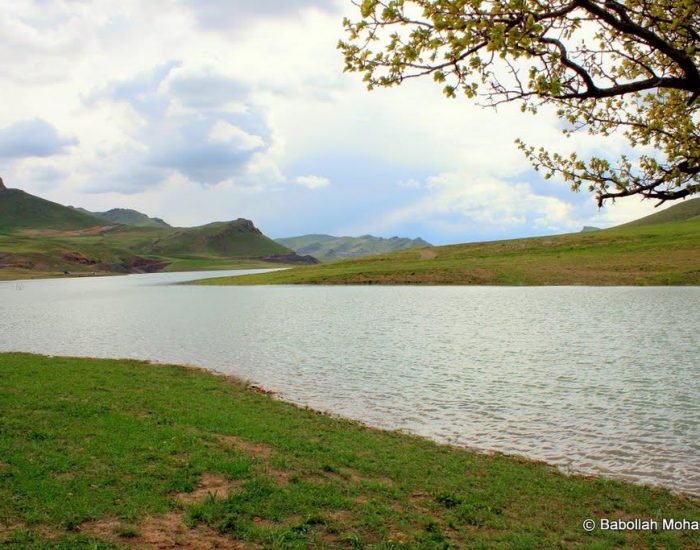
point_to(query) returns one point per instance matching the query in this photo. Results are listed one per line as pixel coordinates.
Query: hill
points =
(20, 210)
(127, 216)
(236, 239)
(683, 211)
(39, 238)
(329, 248)
(660, 254)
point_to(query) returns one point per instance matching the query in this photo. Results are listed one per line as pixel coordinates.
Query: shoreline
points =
(47, 275)
(282, 469)
(278, 396)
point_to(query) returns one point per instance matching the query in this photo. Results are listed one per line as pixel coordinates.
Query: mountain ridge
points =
(329, 247)
(126, 216)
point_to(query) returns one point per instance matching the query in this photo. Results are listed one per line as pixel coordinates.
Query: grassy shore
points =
(107, 453)
(662, 254)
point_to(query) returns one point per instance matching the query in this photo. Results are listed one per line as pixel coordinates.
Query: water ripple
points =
(596, 380)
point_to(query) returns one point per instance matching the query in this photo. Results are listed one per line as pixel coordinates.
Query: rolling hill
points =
(328, 248)
(662, 249)
(683, 211)
(20, 210)
(127, 216)
(43, 238)
(236, 239)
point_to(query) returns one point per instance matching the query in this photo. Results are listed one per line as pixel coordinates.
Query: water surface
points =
(598, 380)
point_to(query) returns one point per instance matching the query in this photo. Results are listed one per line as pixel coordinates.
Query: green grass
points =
(663, 254)
(683, 211)
(102, 453)
(20, 210)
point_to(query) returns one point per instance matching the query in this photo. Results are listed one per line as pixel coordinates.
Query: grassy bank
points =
(662, 254)
(103, 453)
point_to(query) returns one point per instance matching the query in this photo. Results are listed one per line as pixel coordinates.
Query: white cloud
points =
(240, 139)
(410, 183)
(32, 138)
(458, 203)
(312, 182)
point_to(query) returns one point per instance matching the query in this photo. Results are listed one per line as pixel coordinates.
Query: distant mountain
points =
(679, 212)
(20, 210)
(587, 228)
(127, 216)
(327, 247)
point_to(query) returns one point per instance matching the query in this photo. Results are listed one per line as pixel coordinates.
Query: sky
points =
(197, 111)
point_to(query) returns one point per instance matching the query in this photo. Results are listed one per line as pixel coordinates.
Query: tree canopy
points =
(606, 66)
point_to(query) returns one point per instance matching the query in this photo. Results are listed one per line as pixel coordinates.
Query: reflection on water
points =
(600, 380)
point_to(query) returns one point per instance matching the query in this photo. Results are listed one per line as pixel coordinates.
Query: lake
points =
(594, 380)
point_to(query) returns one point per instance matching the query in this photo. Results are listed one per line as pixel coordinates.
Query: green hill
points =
(659, 254)
(39, 238)
(236, 239)
(686, 210)
(20, 210)
(127, 216)
(329, 248)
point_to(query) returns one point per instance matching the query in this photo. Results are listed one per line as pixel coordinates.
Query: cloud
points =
(312, 182)
(240, 140)
(223, 14)
(457, 204)
(32, 138)
(205, 91)
(208, 144)
(410, 183)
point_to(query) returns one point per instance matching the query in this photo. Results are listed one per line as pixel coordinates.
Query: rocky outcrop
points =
(9, 261)
(77, 258)
(137, 264)
(291, 259)
(2, 185)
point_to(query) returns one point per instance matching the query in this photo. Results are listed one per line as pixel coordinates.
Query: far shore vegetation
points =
(107, 454)
(636, 254)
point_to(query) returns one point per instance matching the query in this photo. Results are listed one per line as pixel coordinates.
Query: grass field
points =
(107, 453)
(661, 254)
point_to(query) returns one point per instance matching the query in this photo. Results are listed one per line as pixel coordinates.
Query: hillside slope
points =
(683, 211)
(20, 210)
(329, 248)
(127, 216)
(662, 254)
(235, 239)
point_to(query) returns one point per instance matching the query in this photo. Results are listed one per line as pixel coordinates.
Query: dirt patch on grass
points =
(259, 450)
(210, 484)
(354, 476)
(281, 477)
(427, 254)
(162, 532)
(6, 531)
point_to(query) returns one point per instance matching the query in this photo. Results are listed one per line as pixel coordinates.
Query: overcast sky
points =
(207, 110)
